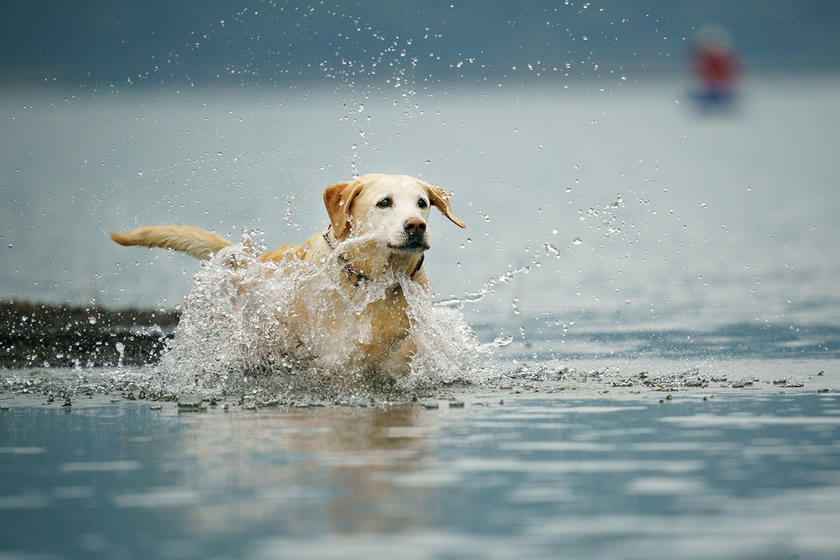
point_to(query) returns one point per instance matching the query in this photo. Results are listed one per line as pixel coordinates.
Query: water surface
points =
(726, 476)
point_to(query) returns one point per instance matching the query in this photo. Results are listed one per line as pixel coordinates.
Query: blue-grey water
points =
(622, 248)
(734, 476)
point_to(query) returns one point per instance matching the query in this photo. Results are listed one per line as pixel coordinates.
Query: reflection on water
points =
(747, 476)
(319, 467)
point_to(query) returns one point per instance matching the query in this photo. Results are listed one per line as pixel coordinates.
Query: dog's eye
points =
(385, 202)
(422, 203)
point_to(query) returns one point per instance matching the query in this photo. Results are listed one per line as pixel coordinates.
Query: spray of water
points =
(291, 326)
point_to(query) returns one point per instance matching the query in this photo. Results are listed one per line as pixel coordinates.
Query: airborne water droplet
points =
(501, 341)
(577, 241)
(551, 249)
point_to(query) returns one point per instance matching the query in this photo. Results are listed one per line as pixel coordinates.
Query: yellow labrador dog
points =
(387, 215)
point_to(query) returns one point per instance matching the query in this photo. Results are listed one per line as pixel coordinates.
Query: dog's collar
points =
(355, 277)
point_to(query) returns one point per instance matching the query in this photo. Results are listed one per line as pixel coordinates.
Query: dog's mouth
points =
(410, 246)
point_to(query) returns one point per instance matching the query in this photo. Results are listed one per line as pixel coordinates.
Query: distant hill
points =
(112, 42)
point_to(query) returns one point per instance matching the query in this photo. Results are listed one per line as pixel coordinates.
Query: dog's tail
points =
(190, 240)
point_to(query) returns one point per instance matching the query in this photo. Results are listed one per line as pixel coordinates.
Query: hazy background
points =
(567, 131)
(102, 43)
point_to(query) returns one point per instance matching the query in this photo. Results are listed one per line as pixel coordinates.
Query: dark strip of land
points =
(39, 335)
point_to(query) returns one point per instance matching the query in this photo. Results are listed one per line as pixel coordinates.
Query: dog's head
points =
(395, 208)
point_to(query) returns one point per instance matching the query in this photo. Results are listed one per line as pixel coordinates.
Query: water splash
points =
(281, 327)
(489, 287)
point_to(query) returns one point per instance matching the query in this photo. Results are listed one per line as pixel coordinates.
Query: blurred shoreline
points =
(518, 82)
(48, 335)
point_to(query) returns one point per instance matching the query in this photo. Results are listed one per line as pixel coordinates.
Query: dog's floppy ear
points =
(338, 199)
(437, 197)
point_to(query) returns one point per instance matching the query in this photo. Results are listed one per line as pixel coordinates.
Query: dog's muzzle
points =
(414, 232)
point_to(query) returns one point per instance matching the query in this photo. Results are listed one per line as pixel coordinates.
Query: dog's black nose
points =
(414, 226)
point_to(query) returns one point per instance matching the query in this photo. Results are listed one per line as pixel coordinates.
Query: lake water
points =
(622, 249)
(734, 476)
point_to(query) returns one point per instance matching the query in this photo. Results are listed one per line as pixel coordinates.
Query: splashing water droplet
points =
(551, 249)
(577, 241)
(501, 340)
(121, 351)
